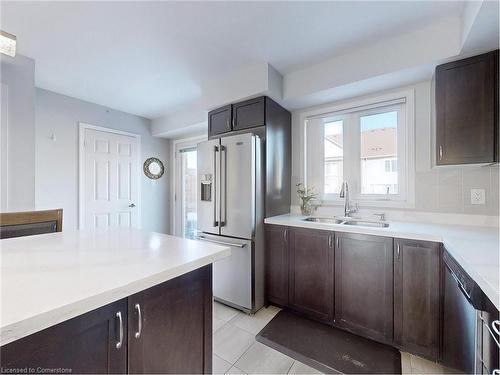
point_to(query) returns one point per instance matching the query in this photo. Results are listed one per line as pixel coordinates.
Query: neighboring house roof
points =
(374, 143)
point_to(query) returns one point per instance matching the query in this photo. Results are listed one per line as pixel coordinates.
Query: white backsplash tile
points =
(450, 187)
(441, 195)
(426, 197)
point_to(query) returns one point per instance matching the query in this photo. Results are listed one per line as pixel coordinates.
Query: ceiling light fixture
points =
(7, 44)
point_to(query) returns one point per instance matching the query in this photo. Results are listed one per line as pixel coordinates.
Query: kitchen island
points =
(112, 300)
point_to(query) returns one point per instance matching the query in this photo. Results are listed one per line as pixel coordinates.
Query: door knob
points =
(131, 205)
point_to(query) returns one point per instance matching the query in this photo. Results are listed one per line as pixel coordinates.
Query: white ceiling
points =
(150, 58)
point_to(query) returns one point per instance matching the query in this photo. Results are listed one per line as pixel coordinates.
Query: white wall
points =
(441, 189)
(18, 76)
(56, 164)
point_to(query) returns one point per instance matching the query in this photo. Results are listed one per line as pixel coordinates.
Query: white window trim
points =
(408, 139)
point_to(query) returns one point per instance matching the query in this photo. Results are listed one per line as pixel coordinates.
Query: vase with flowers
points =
(307, 198)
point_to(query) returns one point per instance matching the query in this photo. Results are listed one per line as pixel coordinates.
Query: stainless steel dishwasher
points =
(463, 302)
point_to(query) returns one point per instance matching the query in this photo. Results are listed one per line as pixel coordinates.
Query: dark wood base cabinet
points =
(417, 296)
(378, 287)
(311, 273)
(164, 329)
(276, 264)
(85, 344)
(363, 285)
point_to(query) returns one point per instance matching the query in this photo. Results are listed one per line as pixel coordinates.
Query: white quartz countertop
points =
(49, 278)
(476, 249)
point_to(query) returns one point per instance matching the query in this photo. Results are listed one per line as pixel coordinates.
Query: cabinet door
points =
(416, 297)
(311, 272)
(170, 326)
(364, 285)
(219, 121)
(249, 114)
(467, 110)
(277, 264)
(84, 344)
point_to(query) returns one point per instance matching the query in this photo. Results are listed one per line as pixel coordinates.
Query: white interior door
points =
(110, 180)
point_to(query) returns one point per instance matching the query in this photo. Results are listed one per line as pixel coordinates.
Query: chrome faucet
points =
(344, 193)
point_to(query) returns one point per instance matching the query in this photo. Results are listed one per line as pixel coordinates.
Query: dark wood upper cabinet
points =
(364, 285)
(417, 296)
(175, 334)
(85, 344)
(249, 114)
(276, 263)
(219, 120)
(467, 110)
(311, 272)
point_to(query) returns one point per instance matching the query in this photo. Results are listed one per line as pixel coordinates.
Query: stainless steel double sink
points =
(348, 221)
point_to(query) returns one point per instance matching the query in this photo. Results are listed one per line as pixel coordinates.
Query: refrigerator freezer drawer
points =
(232, 276)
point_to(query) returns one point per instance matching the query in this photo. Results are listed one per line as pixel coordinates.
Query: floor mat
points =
(328, 349)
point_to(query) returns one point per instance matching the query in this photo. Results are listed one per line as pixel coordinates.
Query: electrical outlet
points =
(477, 196)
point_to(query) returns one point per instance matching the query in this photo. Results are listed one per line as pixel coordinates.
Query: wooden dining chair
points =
(29, 223)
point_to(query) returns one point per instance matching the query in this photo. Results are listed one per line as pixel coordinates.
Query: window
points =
(367, 146)
(334, 155)
(378, 137)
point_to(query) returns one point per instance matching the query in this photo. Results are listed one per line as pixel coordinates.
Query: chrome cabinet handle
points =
(120, 320)
(398, 251)
(139, 321)
(285, 235)
(234, 121)
(330, 241)
(338, 242)
(440, 152)
(227, 125)
(495, 325)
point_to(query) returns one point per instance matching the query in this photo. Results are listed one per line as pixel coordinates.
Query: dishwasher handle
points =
(459, 283)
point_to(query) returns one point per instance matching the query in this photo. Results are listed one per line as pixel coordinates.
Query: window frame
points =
(352, 110)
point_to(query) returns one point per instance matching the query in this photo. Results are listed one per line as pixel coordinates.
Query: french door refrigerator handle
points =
(216, 223)
(223, 199)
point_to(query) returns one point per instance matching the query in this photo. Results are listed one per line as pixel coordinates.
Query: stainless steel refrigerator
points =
(230, 212)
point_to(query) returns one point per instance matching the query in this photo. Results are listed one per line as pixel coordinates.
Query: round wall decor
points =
(153, 168)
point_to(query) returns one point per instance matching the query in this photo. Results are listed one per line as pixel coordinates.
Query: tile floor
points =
(237, 352)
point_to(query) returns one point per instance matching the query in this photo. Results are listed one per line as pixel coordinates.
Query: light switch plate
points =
(477, 196)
